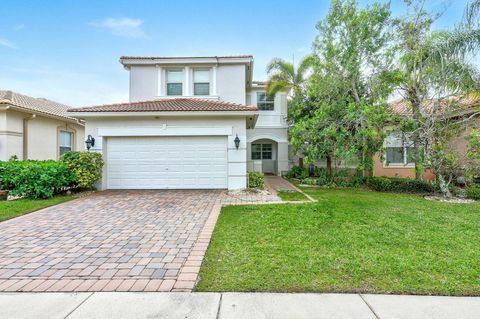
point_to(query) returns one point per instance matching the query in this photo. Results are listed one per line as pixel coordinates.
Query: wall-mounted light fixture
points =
(90, 142)
(237, 142)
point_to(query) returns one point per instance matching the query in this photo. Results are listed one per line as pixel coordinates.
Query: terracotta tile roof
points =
(241, 56)
(169, 105)
(401, 107)
(39, 105)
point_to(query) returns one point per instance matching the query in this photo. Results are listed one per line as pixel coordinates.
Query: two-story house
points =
(191, 122)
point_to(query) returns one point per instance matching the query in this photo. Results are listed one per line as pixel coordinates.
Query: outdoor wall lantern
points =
(237, 142)
(90, 142)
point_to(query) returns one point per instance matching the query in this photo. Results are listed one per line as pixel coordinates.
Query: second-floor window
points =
(264, 102)
(201, 82)
(174, 82)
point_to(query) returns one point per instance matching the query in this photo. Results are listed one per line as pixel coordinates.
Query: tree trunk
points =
(329, 166)
(443, 186)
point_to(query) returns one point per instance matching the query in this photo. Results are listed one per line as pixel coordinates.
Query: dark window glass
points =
(264, 102)
(267, 151)
(174, 88)
(395, 155)
(201, 88)
(411, 155)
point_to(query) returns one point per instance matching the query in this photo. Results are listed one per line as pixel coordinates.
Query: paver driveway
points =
(115, 240)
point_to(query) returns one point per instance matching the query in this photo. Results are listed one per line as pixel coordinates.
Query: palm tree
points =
(472, 12)
(283, 76)
(435, 65)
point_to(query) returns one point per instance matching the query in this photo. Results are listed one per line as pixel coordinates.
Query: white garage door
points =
(167, 162)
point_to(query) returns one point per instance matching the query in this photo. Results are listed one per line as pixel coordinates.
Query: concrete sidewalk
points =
(233, 305)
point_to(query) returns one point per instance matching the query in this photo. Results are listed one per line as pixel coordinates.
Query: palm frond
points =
(278, 65)
(472, 12)
(307, 63)
(275, 87)
(444, 45)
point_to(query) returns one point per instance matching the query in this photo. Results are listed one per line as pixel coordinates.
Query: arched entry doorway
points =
(263, 156)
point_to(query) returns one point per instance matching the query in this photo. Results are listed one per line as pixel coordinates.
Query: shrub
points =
(87, 167)
(379, 184)
(473, 192)
(256, 180)
(399, 185)
(310, 181)
(297, 172)
(35, 179)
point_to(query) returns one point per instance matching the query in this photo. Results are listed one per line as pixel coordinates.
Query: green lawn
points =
(11, 209)
(350, 241)
(291, 196)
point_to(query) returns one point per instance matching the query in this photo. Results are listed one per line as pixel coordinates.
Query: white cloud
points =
(19, 27)
(6, 43)
(124, 27)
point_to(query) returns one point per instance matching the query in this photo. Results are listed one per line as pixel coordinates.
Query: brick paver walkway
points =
(277, 183)
(114, 241)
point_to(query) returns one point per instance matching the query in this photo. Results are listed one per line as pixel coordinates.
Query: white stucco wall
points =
(42, 135)
(237, 166)
(143, 83)
(231, 86)
(227, 81)
(278, 135)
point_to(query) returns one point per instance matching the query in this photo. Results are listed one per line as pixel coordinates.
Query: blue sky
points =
(68, 50)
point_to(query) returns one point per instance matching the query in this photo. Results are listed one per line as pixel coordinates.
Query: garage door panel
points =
(167, 162)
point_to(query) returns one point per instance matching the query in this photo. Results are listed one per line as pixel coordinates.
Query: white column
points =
(214, 80)
(282, 157)
(159, 81)
(187, 81)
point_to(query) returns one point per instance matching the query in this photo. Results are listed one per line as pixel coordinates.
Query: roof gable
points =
(39, 105)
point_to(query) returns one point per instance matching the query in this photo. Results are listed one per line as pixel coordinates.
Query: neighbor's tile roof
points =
(401, 106)
(168, 105)
(29, 103)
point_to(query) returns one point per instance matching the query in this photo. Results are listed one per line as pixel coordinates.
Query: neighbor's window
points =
(261, 151)
(264, 102)
(174, 82)
(66, 142)
(399, 149)
(201, 82)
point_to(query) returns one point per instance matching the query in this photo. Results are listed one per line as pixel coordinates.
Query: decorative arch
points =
(267, 137)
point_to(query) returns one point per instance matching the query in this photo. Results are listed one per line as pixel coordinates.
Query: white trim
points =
(165, 131)
(186, 91)
(203, 97)
(192, 60)
(267, 137)
(159, 80)
(396, 166)
(214, 80)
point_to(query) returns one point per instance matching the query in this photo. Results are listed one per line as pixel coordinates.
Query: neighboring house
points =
(396, 160)
(180, 128)
(36, 128)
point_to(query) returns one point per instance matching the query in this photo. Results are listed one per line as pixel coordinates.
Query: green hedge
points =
(87, 167)
(399, 185)
(473, 191)
(256, 180)
(297, 172)
(35, 179)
